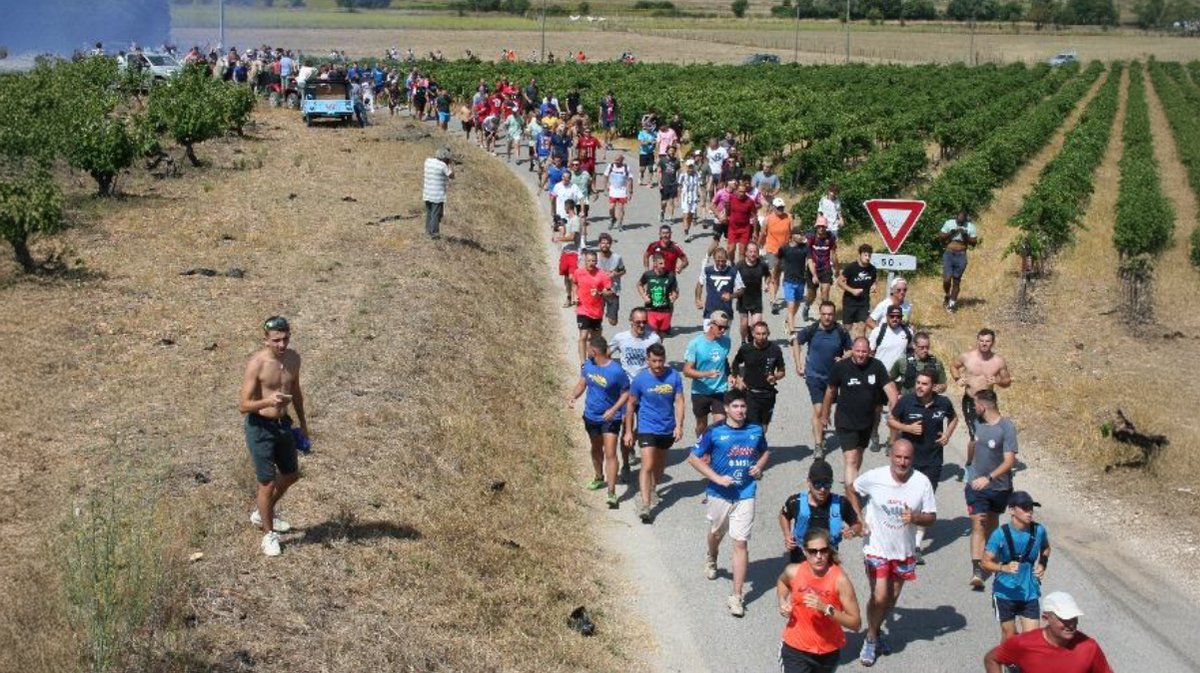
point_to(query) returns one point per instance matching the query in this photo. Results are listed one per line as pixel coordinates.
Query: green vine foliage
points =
(1145, 219)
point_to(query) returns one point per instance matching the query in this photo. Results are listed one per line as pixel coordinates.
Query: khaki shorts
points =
(735, 518)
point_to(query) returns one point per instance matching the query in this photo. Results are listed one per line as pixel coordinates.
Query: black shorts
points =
(933, 472)
(467, 126)
(645, 161)
(1007, 611)
(986, 500)
(822, 277)
(852, 313)
(647, 440)
(720, 230)
(586, 323)
(750, 305)
(594, 428)
(272, 446)
(792, 660)
(853, 439)
(702, 405)
(668, 193)
(760, 407)
(970, 415)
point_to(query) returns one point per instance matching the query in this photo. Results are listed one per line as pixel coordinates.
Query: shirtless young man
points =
(978, 369)
(271, 384)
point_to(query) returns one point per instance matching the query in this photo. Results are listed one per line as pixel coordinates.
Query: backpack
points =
(804, 513)
(1026, 555)
(810, 331)
(910, 371)
(908, 334)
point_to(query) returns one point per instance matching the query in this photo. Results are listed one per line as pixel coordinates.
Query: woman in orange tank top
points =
(819, 602)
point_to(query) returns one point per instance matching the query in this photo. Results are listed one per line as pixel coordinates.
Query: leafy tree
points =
(29, 205)
(1042, 12)
(1091, 12)
(739, 7)
(965, 10)
(190, 108)
(584, 8)
(920, 10)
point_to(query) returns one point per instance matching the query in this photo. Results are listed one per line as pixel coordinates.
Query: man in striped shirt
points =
(437, 177)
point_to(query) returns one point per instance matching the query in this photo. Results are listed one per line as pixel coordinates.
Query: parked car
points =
(153, 66)
(757, 59)
(1064, 58)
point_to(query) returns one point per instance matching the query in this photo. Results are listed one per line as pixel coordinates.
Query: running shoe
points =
(920, 557)
(819, 451)
(736, 607)
(867, 655)
(278, 524)
(270, 544)
(882, 647)
(626, 474)
(710, 568)
(595, 485)
(952, 306)
(977, 579)
(644, 513)
(612, 501)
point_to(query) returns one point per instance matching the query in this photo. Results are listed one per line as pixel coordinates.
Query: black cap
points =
(820, 471)
(895, 310)
(1023, 500)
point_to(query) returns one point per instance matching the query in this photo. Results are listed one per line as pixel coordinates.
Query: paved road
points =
(939, 625)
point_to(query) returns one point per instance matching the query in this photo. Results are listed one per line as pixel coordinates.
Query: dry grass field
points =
(438, 524)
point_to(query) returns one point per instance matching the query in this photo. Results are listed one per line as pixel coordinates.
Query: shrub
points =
(738, 7)
(1145, 218)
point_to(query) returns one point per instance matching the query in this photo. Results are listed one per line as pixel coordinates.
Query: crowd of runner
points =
(873, 367)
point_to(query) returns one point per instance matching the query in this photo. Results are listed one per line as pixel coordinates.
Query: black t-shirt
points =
(752, 280)
(859, 391)
(794, 257)
(573, 102)
(758, 362)
(669, 173)
(531, 92)
(818, 515)
(934, 417)
(659, 288)
(859, 277)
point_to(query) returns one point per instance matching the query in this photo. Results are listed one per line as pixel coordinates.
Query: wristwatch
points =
(829, 610)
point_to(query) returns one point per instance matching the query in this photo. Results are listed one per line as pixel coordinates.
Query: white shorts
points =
(689, 202)
(736, 518)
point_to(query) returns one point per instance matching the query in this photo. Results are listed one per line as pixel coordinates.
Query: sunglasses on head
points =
(276, 323)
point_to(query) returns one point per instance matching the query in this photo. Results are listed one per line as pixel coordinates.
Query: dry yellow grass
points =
(424, 390)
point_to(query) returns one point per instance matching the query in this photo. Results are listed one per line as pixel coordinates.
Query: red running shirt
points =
(1033, 654)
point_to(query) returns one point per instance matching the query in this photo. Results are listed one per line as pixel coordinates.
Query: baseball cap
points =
(778, 203)
(896, 310)
(1060, 603)
(1023, 500)
(820, 471)
(690, 162)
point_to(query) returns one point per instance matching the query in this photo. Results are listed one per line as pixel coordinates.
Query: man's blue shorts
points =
(793, 293)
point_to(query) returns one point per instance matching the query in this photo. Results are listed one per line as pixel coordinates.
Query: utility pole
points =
(971, 44)
(221, 25)
(542, 56)
(847, 31)
(796, 45)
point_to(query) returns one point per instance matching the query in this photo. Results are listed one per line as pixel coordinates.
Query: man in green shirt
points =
(904, 371)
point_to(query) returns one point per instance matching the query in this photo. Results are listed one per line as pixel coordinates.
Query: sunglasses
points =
(822, 485)
(825, 551)
(276, 324)
(720, 326)
(638, 322)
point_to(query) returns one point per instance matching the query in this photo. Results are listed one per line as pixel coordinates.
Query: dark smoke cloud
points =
(62, 26)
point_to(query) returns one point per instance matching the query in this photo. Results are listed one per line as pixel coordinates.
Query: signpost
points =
(894, 219)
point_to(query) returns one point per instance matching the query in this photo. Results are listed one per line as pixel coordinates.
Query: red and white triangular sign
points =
(894, 218)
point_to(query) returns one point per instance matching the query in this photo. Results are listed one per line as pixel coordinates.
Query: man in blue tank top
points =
(818, 507)
(736, 453)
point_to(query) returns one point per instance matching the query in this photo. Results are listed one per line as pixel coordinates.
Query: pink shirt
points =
(666, 139)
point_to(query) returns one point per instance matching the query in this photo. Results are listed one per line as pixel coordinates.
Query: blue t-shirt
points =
(732, 451)
(656, 400)
(604, 387)
(646, 142)
(554, 176)
(1021, 586)
(709, 356)
(560, 145)
(543, 143)
(824, 347)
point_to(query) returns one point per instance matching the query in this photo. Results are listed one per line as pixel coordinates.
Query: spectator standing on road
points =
(827, 342)
(859, 384)
(732, 455)
(706, 362)
(270, 385)
(817, 507)
(1057, 647)
(830, 206)
(607, 390)
(819, 602)
(957, 234)
(656, 409)
(1018, 554)
(898, 500)
(926, 420)
(856, 280)
(757, 367)
(989, 487)
(437, 174)
(659, 290)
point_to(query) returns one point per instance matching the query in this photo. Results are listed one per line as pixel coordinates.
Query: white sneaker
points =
(270, 544)
(736, 607)
(710, 568)
(278, 524)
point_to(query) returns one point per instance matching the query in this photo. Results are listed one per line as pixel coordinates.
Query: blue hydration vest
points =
(804, 512)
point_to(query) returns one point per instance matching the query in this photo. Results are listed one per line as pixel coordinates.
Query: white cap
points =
(778, 202)
(1062, 605)
(690, 162)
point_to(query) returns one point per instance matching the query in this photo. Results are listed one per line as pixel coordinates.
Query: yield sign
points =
(894, 218)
